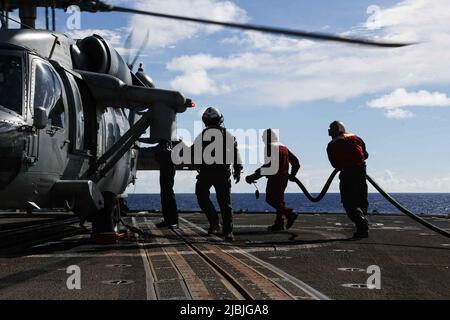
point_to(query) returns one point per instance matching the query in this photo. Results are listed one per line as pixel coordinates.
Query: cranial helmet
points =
(212, 116)
(336, 127)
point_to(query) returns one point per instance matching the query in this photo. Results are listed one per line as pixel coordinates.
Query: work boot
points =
(291, 219)
(362, 226)
(275, 228)
(164, 224)
(229, 237)
(361, 235)
(214, 230)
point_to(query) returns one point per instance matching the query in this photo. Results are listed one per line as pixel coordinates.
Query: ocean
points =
(420, 203)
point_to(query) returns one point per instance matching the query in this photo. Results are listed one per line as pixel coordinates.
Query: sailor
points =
(276, 167)
(347, 153)
(166, 181)
(215, 151)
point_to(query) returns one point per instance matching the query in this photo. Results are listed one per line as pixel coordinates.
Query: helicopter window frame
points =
(56, 78)
(20, 54)
(76, 113)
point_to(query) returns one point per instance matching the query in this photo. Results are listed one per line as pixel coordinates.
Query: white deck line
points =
(314, 293)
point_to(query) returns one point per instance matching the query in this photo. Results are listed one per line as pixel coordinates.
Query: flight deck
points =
(315, 260)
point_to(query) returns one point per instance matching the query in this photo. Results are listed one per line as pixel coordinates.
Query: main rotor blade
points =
(273, 30)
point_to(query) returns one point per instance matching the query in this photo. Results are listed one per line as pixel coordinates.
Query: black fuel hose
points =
(382, 192)
(322, 193)
(406, 211)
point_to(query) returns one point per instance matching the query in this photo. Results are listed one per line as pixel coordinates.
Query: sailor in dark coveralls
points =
(166, 181)
(216, 143)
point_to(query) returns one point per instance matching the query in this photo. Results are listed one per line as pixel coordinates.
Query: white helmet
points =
(212, 116)
(337, 127)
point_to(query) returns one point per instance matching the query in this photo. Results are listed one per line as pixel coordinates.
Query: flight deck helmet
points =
(212, 117)
(336, 128)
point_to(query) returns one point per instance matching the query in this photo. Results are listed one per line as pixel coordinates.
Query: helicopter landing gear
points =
(105, 223)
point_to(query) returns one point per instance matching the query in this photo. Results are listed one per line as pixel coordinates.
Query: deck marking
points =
(163, 240)
(194, 284)
(300, 284)
(149, 280)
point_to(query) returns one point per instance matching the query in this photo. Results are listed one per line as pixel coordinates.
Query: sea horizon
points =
(419, 203)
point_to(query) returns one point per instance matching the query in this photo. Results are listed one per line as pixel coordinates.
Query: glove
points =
(249, 179)
(237, 177)
(253, 177)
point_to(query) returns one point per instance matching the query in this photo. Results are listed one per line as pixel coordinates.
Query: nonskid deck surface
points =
(316, 259)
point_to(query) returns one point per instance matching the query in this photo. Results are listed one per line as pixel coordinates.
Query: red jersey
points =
(285, 158)
(347, 151)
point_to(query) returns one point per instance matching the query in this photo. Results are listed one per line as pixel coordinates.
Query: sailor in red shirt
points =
(276, 169)
(347, 153)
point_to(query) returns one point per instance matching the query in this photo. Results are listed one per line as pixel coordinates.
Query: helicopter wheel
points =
(107, 220)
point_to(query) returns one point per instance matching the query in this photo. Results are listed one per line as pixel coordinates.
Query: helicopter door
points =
(48, 92)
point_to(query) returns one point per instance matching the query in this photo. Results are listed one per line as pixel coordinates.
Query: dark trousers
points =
(222, 184)
(276, 186)
(168, 202)
(353, 187)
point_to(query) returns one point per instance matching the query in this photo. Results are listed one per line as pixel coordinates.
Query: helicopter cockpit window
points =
(11, 82)
(48, 94)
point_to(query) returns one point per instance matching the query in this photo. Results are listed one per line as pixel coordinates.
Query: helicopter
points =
(72, 113)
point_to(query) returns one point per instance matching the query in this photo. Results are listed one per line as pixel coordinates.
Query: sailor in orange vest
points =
(347, 153)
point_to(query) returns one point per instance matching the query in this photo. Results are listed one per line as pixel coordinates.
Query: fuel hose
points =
(389, 198)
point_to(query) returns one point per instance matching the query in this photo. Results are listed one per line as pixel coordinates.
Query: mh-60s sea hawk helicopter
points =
(65, 138)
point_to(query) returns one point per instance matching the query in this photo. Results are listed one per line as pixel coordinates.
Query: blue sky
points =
(397, 100)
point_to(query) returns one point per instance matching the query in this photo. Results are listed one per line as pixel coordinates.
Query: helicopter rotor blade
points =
(127, 46)
(138, 54)
(266, 29)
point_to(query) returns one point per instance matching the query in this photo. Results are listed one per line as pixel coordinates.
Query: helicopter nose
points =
(12, 144)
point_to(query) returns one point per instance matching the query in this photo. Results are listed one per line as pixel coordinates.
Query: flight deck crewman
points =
(215, 150)
(279, 157)
(347, 153)
(167, 173)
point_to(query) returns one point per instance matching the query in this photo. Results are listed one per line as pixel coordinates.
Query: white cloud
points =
(196, 82)
(275, 71)
(274, 44)
(396, 102)
(164, 32)
(114, 37)
(395, 182)
(411, 20)
(402, 98)
(399, 114)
